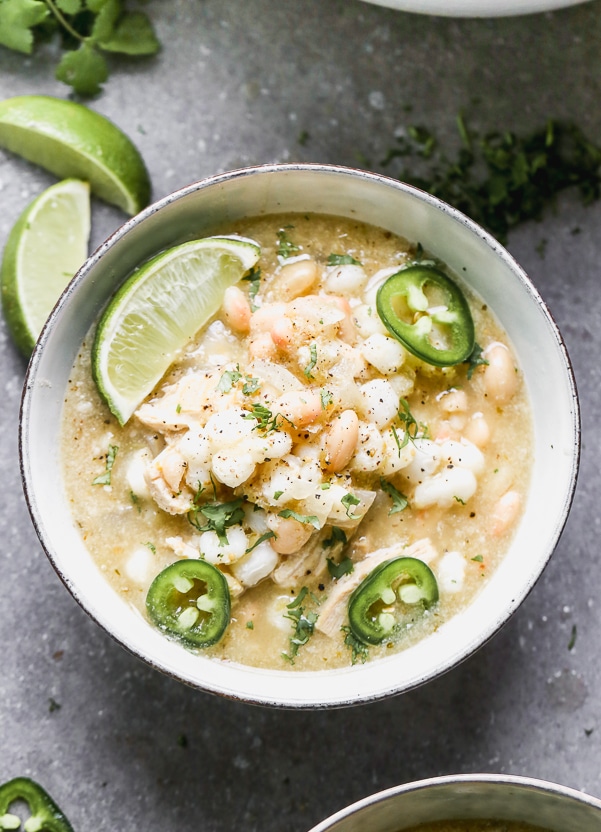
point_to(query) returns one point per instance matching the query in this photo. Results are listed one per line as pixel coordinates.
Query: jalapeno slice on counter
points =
(190, 600)
(45, 815)
(388, 596)
(428, 313)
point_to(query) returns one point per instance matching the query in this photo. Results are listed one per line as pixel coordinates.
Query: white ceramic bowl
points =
(476, 8)
(484, 264)
(469, 797)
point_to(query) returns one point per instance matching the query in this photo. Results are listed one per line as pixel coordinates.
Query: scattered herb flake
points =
(151, 546)
(250, 625)
(343, 260)
(409, 422)
(573, 635)
(250, 386)
(53, 705)
(311, 365)
(326, 398)
(105, 479)
(254, 278)
(478, 559)
(286, 248)
(277, 495)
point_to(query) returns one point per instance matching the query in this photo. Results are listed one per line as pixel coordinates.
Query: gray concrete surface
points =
(238, 82)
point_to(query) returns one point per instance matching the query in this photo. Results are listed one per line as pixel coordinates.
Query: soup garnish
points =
(300, 490)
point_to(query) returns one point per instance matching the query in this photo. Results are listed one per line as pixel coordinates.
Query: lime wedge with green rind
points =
(70, 140)
(47, 245)
(158, 310)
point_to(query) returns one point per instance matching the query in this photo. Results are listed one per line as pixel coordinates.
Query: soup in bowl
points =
(471, 803)
(340, 485)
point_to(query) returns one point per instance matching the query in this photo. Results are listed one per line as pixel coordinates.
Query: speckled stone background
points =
(240, 82)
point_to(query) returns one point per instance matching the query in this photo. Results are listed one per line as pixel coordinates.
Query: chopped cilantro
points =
(410, 424)
(573, 635)
(277, 495)
(337, 570)
(501, 179)
(250, 625)
(218, 516)
(399, 501)
(337, 536)
(358, 649)
(229, 379)
(261, 539)
(286, 248)
(151, 546)
(478, 558)
(459, 500)
(254, 278)
(105, 479)
(311, 365)
(342, 260)
(326, 398)
(475, 360)
(348, 501)
(303, 622)
(135, 500)
(309, 519)
(250, 386)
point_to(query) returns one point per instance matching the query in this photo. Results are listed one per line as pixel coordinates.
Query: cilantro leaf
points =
(337, 536)
(308, 371)
(219, 517)
(337, 570)
(309, 519)
(254, 278)
(304, 624)
(17, 17)
(409, 422)
(133, 35)
(228, 380)
(475, 360)
(105, 479)
(348, 501)
(342, 260)
(68, 6)
(105, 21)
(250, 386)
(359, 650)
(399, 501)
(84, 69)
(286, 248)
(326, 398)
(262, 539)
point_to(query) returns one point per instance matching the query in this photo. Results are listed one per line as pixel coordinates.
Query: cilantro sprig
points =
(399, 501)
(303, 622)
(217, 517)
(89, 31)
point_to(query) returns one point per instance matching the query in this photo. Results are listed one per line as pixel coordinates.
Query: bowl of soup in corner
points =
(471, 803)
(345, 481)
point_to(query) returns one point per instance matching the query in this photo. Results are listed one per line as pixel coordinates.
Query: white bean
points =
(236, 309)
(500, 375)
(291, 535)
(505, 512)
(341, 441)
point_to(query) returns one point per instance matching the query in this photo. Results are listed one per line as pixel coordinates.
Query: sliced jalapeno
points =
(190, 600)
(388, 596)
(44, 813)
(428, 313)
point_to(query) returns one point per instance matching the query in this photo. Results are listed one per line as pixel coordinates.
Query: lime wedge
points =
(71, 141)
(44, 250)
(158, 310)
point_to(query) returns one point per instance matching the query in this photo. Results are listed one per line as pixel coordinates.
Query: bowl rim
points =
(477, 8)
(531, 783)
(266, 698)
